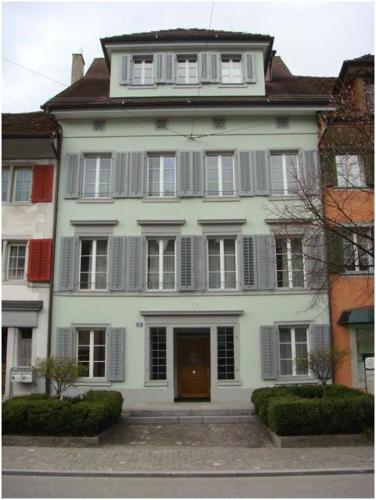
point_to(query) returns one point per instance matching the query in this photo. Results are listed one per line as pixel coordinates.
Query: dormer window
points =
(143, 70)
(187, 70)
(231, 69)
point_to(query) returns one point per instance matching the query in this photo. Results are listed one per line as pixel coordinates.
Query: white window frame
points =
(97, 177)
(360, 171)
(161, 176)
(222, 262)
(220, 176)
(284, 172)
(9, 170)
(293, 350)
(354, 239)
(231, 61)
(93, 265)
(186, 61)
(8, 245)
(143, 62)
(289, 261)
(160, 264)
(91, 353)
(19, 333)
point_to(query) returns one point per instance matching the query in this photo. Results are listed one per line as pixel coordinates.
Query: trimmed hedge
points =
(39, 415)
(299, 410)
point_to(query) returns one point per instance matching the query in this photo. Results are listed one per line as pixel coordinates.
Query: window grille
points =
(225, 353)
(158, 352)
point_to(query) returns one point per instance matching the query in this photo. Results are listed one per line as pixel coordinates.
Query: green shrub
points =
(85, 416)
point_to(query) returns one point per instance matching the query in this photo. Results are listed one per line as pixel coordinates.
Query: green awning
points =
(360, 315)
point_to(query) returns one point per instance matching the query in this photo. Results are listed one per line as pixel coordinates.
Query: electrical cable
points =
(35, 72)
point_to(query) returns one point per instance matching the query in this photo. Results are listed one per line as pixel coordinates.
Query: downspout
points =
(54, 229)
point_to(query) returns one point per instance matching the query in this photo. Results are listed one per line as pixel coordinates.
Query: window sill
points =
(156, 383)
(161, 200)
(295, 379)
(232, 85)
(220, 199)
(95, 200)
(187, 86)
(92, 382)
(292, 288)
(284, 197)
(228, 383)
(18, 203)
(15, 282)
(136, 87)
(353, 188)
(358, 273)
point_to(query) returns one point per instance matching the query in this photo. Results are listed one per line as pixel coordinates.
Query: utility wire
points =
(35, 72)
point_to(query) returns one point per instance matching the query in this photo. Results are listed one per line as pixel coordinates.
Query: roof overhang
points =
(29, 147)
(361, 315)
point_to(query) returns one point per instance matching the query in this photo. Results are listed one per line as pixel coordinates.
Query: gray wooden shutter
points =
(319, 338)
(116, 354)
(249, 67)
(265, 262)
(170, 68)
(315, 259)
(126, 70)
(245, 176)
(190, 173)
(214, 67)
(120, 175)
(249, 262)
(159, 68)
(136, 174)
(135, 264)
(261, 170)
(310, 170)
(186, 264)
(118, 248)
(204, 67)
(68, 263)
(199, 262)
(269, 352)
(73, 162)
(65, 343)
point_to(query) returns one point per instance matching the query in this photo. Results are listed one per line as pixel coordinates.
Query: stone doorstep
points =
(189, 419)
(191, 412)
(319, 441)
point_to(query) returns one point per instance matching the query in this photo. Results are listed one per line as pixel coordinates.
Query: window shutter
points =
(66, 343)
(170, 68)
(42, 183)
(310, 170)
(68, 263)
(159, 68)
(265, 262)
(125, 75)
(249, 67)
(269, 352)
(190, 173)
(319, 338)
(117, 263)
(214, 67)
(135, 256)
(369, 168)
(328, 162)
(245, 168)
(186, 265)
(40, 254)
(336, 261)
(136, 174)
(249, 262)
(199, 262)
(120, 175)
(315, 260)
(204, 68)
(116, 354)
(74, 164)
(261, 170)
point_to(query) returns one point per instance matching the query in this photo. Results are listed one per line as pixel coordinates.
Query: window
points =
(158, 354)
(225, 352)
(231, 69)
(4, 183)
(293, 350)
(91, 352)
(187, 70)
(143, 70)
(161, 176)
(16, 261)
(222, 263)
(22, 184)
(357, 255)
(220, 175)
(285, 173)
(370, 95)
(289, 262)
(161, 264)
(350, 171)
(93, 264)
(24, 346)
(97, 175)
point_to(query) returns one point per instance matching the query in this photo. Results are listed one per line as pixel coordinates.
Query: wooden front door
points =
(194, 366)
(4, 344)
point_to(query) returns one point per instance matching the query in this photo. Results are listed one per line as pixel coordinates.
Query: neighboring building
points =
(347, 147)
(173, 278)
(29, 165)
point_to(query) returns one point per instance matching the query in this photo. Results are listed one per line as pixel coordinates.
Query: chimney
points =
(78, 64)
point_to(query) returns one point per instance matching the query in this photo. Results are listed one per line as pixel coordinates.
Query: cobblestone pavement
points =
(184, 458)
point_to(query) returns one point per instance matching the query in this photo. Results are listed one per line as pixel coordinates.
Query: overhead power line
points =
(35, 72)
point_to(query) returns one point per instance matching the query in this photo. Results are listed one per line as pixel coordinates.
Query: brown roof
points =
(35, 124)
(279, 68)
(93, 91)
(363, 64)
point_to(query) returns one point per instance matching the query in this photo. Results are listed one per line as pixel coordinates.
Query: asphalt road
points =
(332, 486)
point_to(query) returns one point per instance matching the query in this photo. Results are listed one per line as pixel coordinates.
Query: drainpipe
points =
(57, 152)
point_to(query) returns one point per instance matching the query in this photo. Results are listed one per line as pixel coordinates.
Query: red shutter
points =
(43, 177)
(39, 268)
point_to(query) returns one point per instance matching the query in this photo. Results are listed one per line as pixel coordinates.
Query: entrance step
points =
(189, 416)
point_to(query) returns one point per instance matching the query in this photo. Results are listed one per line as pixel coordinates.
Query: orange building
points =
(347, 153)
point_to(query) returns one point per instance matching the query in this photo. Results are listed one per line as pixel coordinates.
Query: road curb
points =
(223, 473)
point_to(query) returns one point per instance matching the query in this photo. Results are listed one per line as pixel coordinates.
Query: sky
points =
(313, 38)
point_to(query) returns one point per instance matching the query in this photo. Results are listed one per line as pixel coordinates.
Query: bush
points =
(299, 410)
(44, 416)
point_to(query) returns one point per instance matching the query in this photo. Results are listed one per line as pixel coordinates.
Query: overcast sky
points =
(313, 38)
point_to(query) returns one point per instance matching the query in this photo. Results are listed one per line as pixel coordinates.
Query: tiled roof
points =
(35, 124)
(93, 91)
(367, 58)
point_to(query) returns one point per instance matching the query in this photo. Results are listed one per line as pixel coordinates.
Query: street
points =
(333, 486)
